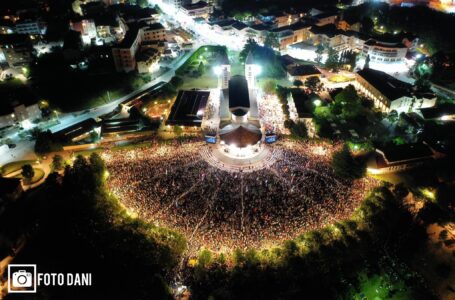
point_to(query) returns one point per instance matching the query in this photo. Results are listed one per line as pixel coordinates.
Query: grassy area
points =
(340, 78)
(115, 148)
(206, 54)
(206, 81)
(88, 152)
(380, 287)
(39, 174)
(282, 82)
(15, 166)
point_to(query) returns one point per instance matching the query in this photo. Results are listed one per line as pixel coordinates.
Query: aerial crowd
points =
(171, 185)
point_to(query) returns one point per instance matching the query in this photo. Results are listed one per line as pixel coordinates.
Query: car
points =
(11, 146)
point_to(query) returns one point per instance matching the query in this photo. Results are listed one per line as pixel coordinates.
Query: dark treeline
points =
(327, 266)
(73, 225)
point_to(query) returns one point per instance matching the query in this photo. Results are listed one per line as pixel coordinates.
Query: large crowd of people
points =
(170, 184)
(270, 113)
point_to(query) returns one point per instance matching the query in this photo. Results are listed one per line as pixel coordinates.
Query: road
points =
(24, 147)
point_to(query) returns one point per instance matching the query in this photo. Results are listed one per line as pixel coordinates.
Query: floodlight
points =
(217, 70)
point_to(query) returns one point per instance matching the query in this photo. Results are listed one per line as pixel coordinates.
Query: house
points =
(349, 23)
(325, 18)
(329, 36)
(124, 54)
(384, 52)
(154, 32)
(257, 32)
(389, 93)
(291, 34)
(147, 60)
(397, 158)
(19, 112)
(286, 18)
(15, 50)
(199, 9)
(33, 26)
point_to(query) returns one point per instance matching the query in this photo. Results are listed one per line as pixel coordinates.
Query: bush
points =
(346, 166)
(27, 172)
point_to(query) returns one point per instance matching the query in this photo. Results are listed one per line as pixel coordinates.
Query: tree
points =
(298, 83)
(422, 83)
(176, 81)
(346, 166)
(367, 62)
(178, 130)
(28, 172)
(299, 130)
(250, 46)
(271, 40)
(347, 103)
(366, 25)
(269, 86)
(57, 162)
(332, 61)
(313, 83)
(319, 51)
(201, 68)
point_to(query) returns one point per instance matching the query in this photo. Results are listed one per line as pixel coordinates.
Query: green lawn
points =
(207, 81)
(15, 166)
(39, 174)
(380, 287)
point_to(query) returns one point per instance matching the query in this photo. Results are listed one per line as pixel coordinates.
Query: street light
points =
(317, 102)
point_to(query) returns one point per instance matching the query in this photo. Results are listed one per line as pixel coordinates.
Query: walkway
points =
(214, 157)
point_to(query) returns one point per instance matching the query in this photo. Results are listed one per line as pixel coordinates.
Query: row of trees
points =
(321, 264)
(335, 59)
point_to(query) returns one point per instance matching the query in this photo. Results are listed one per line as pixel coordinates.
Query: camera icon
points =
(21, 278)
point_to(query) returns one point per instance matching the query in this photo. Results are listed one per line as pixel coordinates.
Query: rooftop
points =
(188, 108)
(373, 42)
(240, 136)
(238, 94)
(259, 27)
(329, 30)
(239, 25)
(130, 36)
(76, 130)
(386, 84)
(439, 111)
(154, 26)
(407, 152)
(197, 5)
